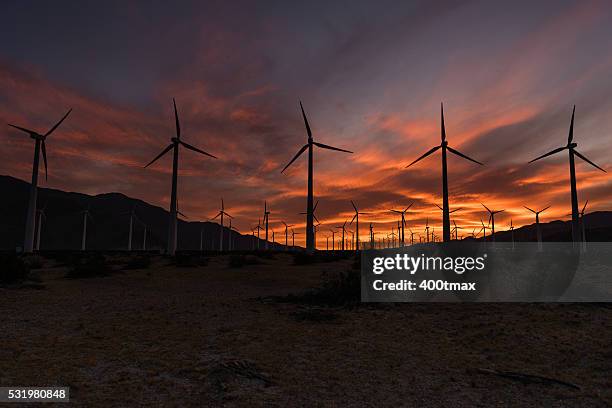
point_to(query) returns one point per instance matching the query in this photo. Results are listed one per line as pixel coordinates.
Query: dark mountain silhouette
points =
(109, 227)
(598, 226)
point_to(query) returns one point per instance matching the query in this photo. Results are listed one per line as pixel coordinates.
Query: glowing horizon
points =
(508, 82)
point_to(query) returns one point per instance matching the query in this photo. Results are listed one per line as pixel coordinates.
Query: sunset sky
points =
(371, 76)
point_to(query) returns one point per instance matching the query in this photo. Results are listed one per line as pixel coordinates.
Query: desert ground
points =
(224, 331)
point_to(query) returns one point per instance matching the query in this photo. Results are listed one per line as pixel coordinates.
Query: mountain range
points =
(108, 227)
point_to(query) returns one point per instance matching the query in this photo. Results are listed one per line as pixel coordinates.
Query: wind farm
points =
(394, 174)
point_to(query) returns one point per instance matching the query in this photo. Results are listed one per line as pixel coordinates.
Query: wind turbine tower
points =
(310, 200)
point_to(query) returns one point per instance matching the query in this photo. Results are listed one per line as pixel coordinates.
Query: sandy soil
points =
(201, 336)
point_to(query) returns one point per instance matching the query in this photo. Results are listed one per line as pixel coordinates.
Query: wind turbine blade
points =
(353, 204)
(588, 161)
(570, 137)
(216, 216)
(433, 149)
(407, 208)
(354, 216)
(487, 208)
(166, 150)
(178, 126)
(455, 210)
(44, 152)
(28, 131)
(549, 153)
(315, 207)
(58, 123)
(316, 219)
(195, 149)
(295, 157)
(306, 121)
(450, 149)
(584, 208)
(441, 209)
(541, 211)
(443, 128)
(529, 209)
(395, 211)
(324, 146)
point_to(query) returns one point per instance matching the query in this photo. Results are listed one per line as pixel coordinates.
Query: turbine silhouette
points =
(492, 219)
(220, 214)
(446, 236)
(39, 144)
(571, 148)
(538, 229)
(310, 199)
(403, 215)
(356, 219)
(174, 145)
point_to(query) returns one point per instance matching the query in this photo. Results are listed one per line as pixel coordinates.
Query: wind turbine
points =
(444, 146)
(333, 240)
(41, 215)
(28, 244)
(403, 214)
(174, 145)
(492, 219)
(456, 229)
(266, 216)
(427, 228)
(86, 215)
(286, 234)
(132, 214)
(343, 228)
(314, 216)
(571, 148)
(293, 234)
(220, 214)
(371, 236)
(512, 233)
(258, 228)
(450, 212)
(144, 234)
(392, 235)
(254, 239)
(315, 226)
(356, 219)
(309, 203)
(538, 229)
(483, 230)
